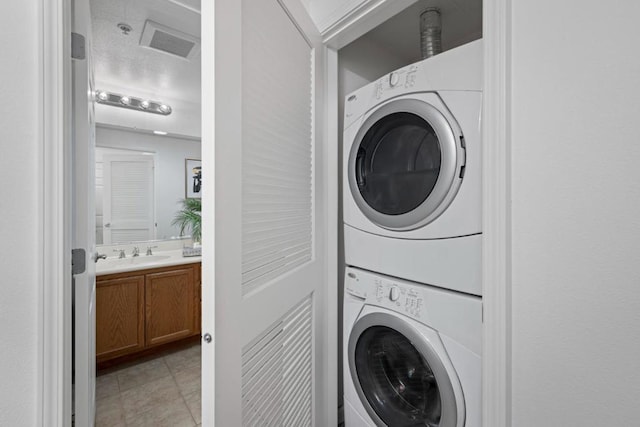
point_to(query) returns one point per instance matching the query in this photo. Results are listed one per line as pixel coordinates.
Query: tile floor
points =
(163, 391)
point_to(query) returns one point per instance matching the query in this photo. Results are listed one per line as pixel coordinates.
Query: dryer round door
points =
(399, 377)
(405, 165)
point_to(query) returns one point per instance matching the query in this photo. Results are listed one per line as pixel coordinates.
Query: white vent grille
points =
(277, 372)
(169, 40)
(277, 145)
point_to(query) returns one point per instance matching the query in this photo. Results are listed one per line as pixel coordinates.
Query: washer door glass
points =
(396, 380)
(398, 163)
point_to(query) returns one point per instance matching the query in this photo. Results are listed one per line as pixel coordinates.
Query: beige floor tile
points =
(194, 402)
(189, 380)
(109, 412)
(154, 395)
(174, 414)
(184, 359)
(142, 373)
(106, 386)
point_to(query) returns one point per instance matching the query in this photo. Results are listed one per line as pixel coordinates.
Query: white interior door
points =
(266, 218)
(83, 220)
(128, 198)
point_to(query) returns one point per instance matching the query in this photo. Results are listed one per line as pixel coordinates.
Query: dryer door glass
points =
(398, 163)
(396, 379)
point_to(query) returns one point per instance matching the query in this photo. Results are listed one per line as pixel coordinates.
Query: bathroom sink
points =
(149, 258)
(139, 260)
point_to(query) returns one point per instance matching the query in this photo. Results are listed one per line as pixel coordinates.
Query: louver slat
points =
(277, 147)
(277, 372)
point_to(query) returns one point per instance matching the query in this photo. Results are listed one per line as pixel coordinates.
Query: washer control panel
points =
(397, 297)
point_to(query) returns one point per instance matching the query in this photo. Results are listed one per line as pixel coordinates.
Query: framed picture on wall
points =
(193, 178)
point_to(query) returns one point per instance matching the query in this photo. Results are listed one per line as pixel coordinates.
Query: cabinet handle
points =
(207, 338)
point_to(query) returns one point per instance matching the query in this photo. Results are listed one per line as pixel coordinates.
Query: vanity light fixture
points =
(132, 103)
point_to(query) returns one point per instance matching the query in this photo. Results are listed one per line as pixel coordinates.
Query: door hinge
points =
(78, 46)
(78, 261)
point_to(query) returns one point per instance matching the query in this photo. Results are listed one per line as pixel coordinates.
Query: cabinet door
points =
(170, 301)
(198, 270)
(119, 317)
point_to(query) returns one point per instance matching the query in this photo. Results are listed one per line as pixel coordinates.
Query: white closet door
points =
(128, 198)
(268, 225)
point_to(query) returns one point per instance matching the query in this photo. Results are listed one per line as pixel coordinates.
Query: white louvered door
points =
(266, 231)
(128, 198)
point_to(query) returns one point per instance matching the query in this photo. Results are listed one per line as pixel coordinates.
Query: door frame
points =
(54, 306)
(496, 214)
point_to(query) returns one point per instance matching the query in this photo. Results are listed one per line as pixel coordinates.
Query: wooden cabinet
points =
(140, 310)
(119, 316)
(170, 306)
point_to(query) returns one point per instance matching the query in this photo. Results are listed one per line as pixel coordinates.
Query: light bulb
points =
(144, 105)
(165, 108)
(125, 100)
(103, 96)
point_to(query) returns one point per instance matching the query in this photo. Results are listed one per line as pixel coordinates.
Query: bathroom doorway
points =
(137, 198)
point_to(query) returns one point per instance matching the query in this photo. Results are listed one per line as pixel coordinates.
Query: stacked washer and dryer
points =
(412, 227)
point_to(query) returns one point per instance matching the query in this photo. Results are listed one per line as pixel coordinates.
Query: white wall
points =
(171, 153)
(576, 213)
(19, 204)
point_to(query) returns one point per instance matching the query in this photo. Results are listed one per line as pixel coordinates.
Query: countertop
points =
(159, 259)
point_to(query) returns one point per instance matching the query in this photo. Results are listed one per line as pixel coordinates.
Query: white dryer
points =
(412, 189)
(412, 354)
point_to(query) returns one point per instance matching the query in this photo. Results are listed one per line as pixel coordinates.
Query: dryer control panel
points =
(402, 78)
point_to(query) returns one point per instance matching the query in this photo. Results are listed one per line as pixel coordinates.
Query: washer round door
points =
(403, 165)
(399, 376)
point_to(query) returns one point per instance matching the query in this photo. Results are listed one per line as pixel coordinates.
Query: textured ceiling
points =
(461, 23)
(119, 60)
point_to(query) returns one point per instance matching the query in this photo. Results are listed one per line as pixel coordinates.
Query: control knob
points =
(394, 78)
(394, 293)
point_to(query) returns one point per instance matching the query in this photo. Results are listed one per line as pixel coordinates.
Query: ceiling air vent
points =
(159, 37)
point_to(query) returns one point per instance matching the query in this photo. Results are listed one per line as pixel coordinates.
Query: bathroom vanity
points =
(144, 304)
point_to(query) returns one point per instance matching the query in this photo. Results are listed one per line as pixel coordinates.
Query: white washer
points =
(412, 354)
(412, 172)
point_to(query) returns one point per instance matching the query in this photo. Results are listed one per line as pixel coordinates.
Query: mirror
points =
(141, 180)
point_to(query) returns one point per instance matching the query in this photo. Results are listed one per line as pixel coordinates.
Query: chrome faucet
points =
(136, 251)
(121, 253)
(149, 251)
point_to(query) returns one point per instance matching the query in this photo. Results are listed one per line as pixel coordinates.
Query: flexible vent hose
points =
(430, 33)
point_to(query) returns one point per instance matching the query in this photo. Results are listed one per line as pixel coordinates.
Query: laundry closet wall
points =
(575, 213)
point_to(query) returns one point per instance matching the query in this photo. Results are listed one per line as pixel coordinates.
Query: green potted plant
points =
(189, 218)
